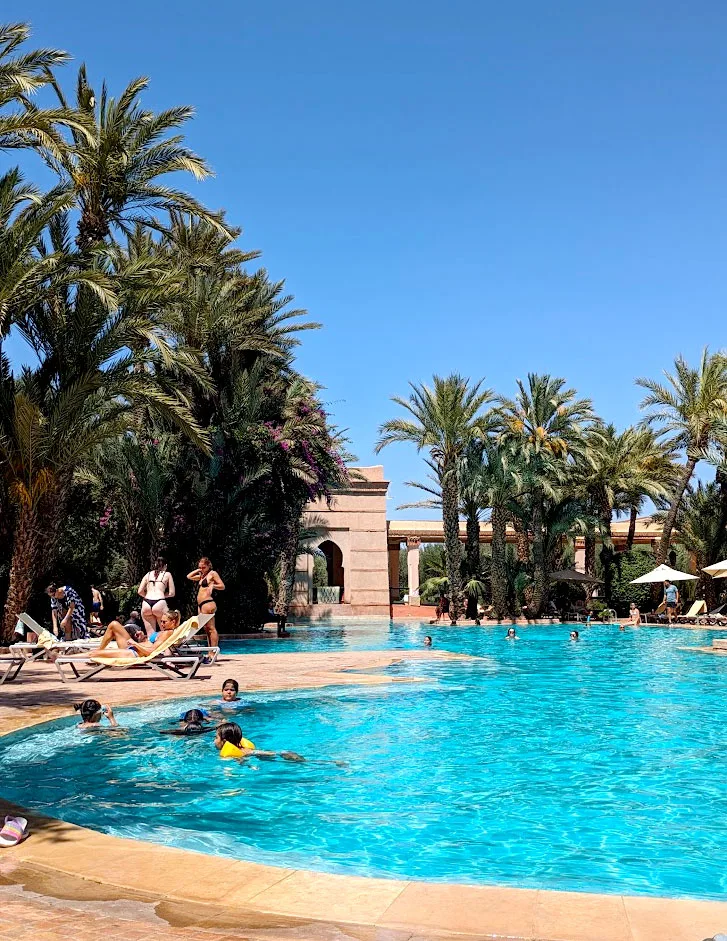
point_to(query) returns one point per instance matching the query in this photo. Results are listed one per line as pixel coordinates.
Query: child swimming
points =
(192, 723)
(230, 743)
(92, 712)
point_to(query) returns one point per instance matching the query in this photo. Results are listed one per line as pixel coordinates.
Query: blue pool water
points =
(592, 766)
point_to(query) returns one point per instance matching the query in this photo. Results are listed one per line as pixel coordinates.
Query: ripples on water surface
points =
(597, 766)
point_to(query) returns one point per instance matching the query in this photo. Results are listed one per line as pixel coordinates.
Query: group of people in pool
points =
(512, 634)
(229, 740)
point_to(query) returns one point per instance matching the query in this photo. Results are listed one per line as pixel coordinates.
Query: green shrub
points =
(630, 565)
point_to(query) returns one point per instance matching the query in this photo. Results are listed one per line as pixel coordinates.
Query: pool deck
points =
(67, 882)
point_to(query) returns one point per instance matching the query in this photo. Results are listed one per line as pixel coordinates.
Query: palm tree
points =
(501, 484)
(689, 410)
(28, 273)
(23, 73)
(115, 171)
(445, 419)
(619, 472)
(137, 476)
(700, 531)
(651, 474)
(545, 426)
(96, 367)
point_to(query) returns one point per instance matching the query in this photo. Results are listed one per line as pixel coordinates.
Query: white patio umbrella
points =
(718, 570)
(663, 573)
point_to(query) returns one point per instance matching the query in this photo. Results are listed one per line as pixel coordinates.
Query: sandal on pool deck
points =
(14, 831)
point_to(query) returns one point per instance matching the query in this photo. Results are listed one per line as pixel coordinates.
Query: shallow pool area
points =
(594, 765)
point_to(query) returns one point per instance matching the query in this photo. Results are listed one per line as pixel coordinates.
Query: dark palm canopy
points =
(164, 411)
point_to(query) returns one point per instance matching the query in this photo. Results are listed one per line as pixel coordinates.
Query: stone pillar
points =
(580, 556)
(394, 572)
(412, 563)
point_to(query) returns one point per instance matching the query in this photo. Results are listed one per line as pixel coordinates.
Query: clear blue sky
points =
(488, 187)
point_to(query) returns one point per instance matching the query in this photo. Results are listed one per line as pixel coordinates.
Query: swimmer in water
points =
(231, 744)
(92, 712)
(192, 722)
(511, 635)
(427, 641)
(574, 635)
(230, 689)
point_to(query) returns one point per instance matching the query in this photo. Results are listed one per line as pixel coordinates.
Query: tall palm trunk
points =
(607, 553)
(522, 542)
(717, 550)
(499, 562)
(473, 545)
(632, 528)
(25, 566)
(450, 521)
(137, 558)
(589, 549)
(664, 542)
(288, 558)
(540, 574)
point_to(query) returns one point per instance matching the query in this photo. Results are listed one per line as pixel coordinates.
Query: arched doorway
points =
(334, 565)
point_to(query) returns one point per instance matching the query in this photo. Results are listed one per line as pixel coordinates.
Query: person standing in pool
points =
(208, 582)
(511, 635)
(156, 588)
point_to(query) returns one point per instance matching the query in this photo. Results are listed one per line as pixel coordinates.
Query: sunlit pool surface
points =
(593, 766)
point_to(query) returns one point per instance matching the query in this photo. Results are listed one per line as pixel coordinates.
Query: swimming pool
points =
(592, 766)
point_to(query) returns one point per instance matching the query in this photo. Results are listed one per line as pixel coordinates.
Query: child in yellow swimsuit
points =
(230, 744)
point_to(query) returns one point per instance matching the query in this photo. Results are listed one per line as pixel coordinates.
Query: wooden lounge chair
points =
(46, 641)
(168, 658)
(10, 666)
(699, 607)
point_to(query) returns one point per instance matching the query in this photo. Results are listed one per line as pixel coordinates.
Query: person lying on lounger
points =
(168, 622)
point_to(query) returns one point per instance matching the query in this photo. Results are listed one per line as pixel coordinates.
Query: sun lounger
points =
(699, 607)
(46, 641)
(10, 666)
(172, 658)
(715, 616)
(186, 645)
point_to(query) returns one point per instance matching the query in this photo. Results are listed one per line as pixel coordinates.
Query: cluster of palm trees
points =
(161, 409)
(547, 469)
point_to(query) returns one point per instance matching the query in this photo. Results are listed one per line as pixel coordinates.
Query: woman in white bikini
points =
(156, 588)
(209, 582)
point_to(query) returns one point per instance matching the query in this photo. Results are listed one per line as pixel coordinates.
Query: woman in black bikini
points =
(209, 582)
(156, 588)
